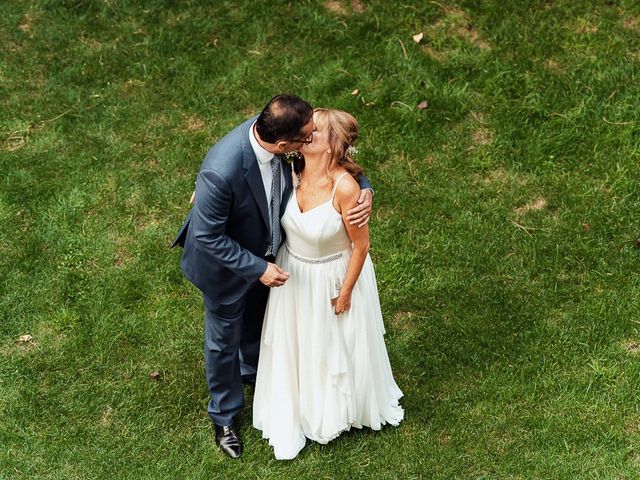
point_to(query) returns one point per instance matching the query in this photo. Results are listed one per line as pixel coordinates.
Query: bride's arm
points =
(347, 194)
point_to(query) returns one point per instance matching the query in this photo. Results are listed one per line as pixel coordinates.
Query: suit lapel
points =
(254, 179)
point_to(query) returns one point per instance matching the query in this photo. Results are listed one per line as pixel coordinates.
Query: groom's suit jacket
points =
(227, 232)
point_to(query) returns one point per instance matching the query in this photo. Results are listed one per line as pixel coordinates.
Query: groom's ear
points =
(281, 146)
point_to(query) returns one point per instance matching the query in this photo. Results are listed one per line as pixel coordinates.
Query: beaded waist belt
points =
(328, 259)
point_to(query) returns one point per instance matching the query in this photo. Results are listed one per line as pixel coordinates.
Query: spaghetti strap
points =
(335, 187)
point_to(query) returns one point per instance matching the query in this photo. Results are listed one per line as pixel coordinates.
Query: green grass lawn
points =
(504, 233)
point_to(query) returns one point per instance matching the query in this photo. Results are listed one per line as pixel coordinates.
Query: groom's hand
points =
(360, 214)
(274, 276)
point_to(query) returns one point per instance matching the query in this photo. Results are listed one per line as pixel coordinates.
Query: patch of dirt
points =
(11, 47)
(633, 459)
(107, 417)
(26, 343)
(384, 213)
(15, 141)
(122, 258)
(250, 111)
(402, 321)
(26, 23)
(335, 7)
(478, 117)
(469, 33)
(146, 222)
(458, 22)
(554, 66)
(357, 6)
(450, 11)
(25, 339)
(150, 164)
(586, 27)
(433, 53)
(631, 23)
(21, 345)
(482, 136)
(535, 205)
(173, 20)
(194, 124)
(123, 254)
(130, 86)
(92, 43)
(632, 346)
(159, 120)
(19, 138)
(632, 426)
(497, 176)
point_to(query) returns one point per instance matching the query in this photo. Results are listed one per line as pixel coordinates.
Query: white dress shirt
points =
(264, 162)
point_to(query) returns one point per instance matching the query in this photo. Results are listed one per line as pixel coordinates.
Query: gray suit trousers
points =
(231, 348)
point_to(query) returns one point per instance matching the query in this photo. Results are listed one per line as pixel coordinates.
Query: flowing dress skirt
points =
(319, 373)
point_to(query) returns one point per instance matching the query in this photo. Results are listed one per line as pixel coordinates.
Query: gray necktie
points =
(275, 205)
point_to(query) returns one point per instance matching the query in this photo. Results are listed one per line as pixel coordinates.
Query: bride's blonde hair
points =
(342, 131)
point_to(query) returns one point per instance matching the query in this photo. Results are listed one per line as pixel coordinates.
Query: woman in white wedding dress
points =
(323, 364)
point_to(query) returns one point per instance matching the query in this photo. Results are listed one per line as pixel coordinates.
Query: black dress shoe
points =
(228, 438)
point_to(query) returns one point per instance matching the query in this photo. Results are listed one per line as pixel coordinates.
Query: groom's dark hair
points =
(283, 118)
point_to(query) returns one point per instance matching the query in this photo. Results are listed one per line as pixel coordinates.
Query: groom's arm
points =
(360, 214)
(364, 182)
(210, 215)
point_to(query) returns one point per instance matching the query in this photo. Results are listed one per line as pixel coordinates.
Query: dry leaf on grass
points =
(418, 37)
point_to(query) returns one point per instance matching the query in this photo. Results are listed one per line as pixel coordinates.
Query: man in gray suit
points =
(230, 239)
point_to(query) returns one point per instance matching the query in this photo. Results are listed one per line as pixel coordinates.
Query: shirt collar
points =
(262, 155)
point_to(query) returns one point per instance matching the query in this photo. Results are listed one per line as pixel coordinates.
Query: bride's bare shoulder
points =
(347, 188)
